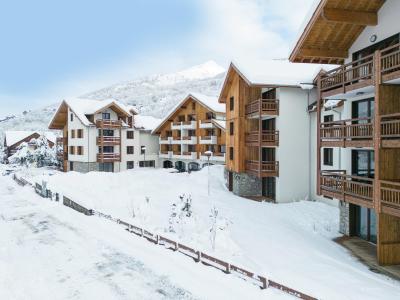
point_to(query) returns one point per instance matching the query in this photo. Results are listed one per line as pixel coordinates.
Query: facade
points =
(358, 144)
(267, 130)
(194, 127)
(103, 136)
(13, 139)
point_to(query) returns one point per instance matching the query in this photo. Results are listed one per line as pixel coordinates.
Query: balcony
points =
(214, 157)
(390, 197)
(269, 138)
(390, 130)
(206, 124)
(176, 125)
(347, 133)
(109, 124)
(360, 73)
(189, 155)
(108, 157)
(208, 140)
(165, 140)
(189, 125)
(108, 140)
(189, 140)
(262, 107)
(263, 168)
(353, 189)
(165, 154)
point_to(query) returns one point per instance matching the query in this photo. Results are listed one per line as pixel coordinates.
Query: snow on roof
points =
(146, 122)
(82, 107)
(278, 72)
(210, 102)
(13, 137)
(220, 123)
(133, 109)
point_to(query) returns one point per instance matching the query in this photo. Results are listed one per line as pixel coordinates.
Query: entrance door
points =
(269, 188)
(230, 181)
(363, 223)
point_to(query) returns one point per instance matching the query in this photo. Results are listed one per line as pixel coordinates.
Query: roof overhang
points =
(60, 117)
(333, 28)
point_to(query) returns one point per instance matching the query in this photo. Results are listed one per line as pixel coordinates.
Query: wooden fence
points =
(197, 256)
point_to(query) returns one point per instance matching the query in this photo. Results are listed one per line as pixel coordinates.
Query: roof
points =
(14, 137)
(146, 122)
(330, 29)
(207, 101)
(82, 107)
(219, 123)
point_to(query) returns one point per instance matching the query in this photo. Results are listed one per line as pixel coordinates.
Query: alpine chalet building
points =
(358, 143)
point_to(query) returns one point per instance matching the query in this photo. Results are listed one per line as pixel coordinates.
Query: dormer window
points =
(106, 116)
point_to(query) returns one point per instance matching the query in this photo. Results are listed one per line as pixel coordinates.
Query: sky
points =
(51, 50)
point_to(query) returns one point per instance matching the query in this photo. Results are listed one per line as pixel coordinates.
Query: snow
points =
(210, 102)
(146, 122)
(50, 251)
(14, 136)
(279, 72)
(289, 243)
(220, 123)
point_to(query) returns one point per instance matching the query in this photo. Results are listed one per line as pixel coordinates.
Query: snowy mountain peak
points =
(206, 70)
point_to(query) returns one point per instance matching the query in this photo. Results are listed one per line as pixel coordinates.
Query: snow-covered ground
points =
(289, 243)
(48, 251)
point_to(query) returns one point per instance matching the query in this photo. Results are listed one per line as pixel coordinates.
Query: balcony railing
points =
(360, 72)
(390, 126)
(390, 197)
(104, 123)
(108, 157)
(263, 168)
(263, 107)
(108, 140)
(353, 189)
(268, 138)
(347, 132)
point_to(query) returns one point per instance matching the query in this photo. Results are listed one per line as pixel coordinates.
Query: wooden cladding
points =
(104, 123)
(266, 138)
(262, 168)
(108, 157)
(361, 73)
(108, 140)
(268, 107)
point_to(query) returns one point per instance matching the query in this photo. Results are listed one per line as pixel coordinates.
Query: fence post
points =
(198, 257)
(264, 282)
(157, 239)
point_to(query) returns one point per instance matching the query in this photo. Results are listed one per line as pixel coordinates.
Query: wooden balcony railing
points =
(390, 197)
(108, 157)
(177, 138)
(354, 189)
(268, 138)
(263, 107)
(263, 168)
(390, 126)
(103, 123)
(352, 132)
(108, 140)
(361, 72)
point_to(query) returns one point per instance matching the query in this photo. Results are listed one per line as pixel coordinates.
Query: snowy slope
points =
(153, 95)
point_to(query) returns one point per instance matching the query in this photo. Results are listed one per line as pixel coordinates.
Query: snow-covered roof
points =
(220, 123)
(278, 72)
(146, 122)
(207, 101)
(14, 136)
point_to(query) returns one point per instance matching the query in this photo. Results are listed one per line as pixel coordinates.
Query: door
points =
(230, 181)
(71, 165)
(268, 154)
(269, 188)
(363, 112)
(363, 163)
(363, 223)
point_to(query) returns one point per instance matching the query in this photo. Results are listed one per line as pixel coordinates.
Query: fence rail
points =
(197, 255)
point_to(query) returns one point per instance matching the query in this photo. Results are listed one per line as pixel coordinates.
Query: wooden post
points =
(319, 136)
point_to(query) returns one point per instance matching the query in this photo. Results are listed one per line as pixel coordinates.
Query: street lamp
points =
(208, 154)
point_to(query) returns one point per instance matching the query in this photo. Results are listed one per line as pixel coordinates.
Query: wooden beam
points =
(350, 16)
(324, 53)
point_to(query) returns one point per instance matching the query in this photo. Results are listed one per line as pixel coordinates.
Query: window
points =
(79, 133)
(223, 148)
(193, 105)
(72, 117)
(231, 128)
(147, 163)
(328, 118)
(328, 156)
(73, 133)
(106, 149)
(106, 167)
(231, 153)
(130, 164)
(231, 103)
(105, 116)
(71, 150)
(80, 150)
(107, 132)
(129, 150)
(192, 148)
(130, 134)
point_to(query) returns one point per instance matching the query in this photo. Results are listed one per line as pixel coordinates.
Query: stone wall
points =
(344, 222)
(84, 167)
(246, 185)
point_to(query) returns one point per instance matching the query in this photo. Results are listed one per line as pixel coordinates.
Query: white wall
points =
(74, 125)
(388, 25)
(293, 150)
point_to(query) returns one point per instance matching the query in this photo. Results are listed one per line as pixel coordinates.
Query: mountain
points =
(153, 95)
